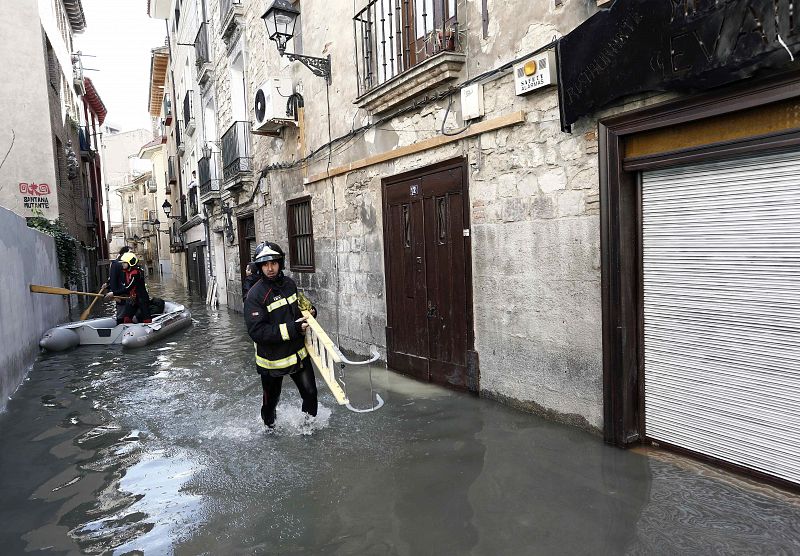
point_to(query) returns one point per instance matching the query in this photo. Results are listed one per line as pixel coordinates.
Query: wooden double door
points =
(428, 276)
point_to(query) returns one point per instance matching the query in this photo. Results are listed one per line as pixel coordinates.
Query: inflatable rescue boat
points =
(105, 330)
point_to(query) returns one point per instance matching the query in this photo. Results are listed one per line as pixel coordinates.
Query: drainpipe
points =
(104, 183)
(177, 154)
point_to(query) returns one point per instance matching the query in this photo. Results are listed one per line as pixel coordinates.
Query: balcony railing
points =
(172, 170)
(167, 109)
(392, 36)
(188, 112)
(193, 204)
(225, 8)
(85, 138)
(208, 176)
(201, 46)
(236, 159)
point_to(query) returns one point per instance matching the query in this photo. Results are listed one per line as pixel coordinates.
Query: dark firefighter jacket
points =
(270, 312)
(116, 276)
(134, 287)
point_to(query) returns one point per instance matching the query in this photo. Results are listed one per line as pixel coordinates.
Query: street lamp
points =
(157, 226)
(280, 19)
(206, 151)
(167, 207)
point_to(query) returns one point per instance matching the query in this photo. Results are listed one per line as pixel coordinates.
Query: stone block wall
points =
(534, 205)
(25, 316)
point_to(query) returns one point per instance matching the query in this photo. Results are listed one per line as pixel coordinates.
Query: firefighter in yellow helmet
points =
(277, 327)
(138, 304)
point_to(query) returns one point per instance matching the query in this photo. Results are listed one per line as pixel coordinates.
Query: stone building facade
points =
(532, 190)
(492, 238)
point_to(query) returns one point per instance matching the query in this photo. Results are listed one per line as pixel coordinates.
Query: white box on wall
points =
(472, 102)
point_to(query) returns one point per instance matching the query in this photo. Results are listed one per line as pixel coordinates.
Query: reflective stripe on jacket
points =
(270, 312)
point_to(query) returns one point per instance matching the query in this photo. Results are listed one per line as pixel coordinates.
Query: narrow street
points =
(161, 450)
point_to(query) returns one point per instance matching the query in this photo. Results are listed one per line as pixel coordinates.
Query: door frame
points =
(621, 221)
(473, 367)
(191, 263)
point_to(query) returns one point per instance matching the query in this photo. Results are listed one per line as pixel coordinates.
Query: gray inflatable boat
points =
(105, 330)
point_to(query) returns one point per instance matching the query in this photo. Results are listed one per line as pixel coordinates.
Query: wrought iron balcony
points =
(208, 176)
(202, 54)
(193, 203)
(229, 11)
(167, 108)
(393, 36)
(180, 144)
(236, 161)
(188, 112)
(85, 141)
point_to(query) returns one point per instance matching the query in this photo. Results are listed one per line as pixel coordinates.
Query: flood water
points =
(161, 450)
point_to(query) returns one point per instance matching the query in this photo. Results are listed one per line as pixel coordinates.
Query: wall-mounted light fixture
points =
(167, 207)
(157, 226)
(280, 19)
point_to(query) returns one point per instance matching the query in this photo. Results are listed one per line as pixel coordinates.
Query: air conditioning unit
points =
(270, 104)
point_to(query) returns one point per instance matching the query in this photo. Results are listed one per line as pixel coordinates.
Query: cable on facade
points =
(451, 133)
(410, 108)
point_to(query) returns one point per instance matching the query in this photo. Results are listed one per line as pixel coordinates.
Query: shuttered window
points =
(721, 285)
(301, 235)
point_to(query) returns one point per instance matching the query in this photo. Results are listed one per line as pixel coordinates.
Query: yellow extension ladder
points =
(327, 357)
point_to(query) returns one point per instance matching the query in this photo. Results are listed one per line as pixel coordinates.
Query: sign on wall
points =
(35, 196)
(672, 45)
(536, 72)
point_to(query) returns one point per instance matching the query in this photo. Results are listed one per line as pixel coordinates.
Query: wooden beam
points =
(475, 129)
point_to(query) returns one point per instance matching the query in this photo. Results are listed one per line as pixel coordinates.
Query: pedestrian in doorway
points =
(116, 279)
(137, 306)
(252, 274)
(277, 327)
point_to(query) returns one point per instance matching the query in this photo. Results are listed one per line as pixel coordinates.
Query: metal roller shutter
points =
(721, 272)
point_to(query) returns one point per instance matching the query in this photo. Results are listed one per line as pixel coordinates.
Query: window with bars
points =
(393, 36)
(301, 235)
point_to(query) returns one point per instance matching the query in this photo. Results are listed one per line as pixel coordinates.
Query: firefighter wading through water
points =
(277, 327)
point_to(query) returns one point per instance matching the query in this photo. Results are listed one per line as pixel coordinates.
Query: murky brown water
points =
(161, 450)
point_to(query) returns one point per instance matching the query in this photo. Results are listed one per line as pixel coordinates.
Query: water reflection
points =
(162, 450)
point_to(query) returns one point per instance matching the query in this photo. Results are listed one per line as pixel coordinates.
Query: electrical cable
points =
(410, 108)
(444, 121)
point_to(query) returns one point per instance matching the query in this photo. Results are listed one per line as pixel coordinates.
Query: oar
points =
(65, 291)
(88, 311)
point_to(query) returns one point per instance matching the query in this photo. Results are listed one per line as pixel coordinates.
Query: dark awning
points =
(642, 45)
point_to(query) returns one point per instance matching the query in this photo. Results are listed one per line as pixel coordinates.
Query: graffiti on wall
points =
(35, 195)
